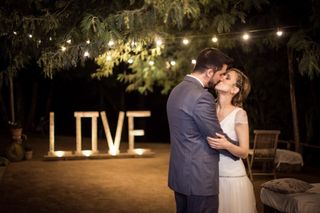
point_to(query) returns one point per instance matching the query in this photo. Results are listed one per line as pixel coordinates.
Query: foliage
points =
(308, 51)
(14, 125)
(132, 27)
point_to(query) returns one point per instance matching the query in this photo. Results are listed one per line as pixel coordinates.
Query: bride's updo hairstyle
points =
(244, 86)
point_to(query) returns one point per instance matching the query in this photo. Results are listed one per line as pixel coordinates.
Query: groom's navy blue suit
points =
(193, 168)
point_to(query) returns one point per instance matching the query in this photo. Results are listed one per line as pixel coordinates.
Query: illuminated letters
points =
(113, 145)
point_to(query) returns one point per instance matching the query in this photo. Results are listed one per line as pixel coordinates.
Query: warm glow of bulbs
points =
(63, 48)
(185, 41)
(139, 151)
(69, 41)
(172, 63)
(279, 33)
(86, 54)
(246, 36)
(30, 35)
(88, 41)
(130, 61)
(214, 39)
(87, 153)
(113, 151)
(108, 58)
(110, 43)
(59, 153)
(15, 33)
(193, 61)
(158, 42)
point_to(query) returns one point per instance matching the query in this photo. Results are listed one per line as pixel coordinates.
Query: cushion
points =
(287, 185)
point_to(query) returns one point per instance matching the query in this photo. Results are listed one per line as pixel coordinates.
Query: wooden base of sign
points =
(67, 155)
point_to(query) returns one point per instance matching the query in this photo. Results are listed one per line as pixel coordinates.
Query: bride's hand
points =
(218, 143)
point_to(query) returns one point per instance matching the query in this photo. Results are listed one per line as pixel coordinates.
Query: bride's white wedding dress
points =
(236, 190)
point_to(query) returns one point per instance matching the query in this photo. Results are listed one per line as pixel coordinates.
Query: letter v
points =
(113, 146)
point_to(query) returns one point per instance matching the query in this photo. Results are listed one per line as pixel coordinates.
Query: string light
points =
(158, 42)
(108, 58)
(279, 33)
(133, 44)
(185, 41)
(86, 54)
(130, 61)
(245, 36)
(214, 39)
(172, 63)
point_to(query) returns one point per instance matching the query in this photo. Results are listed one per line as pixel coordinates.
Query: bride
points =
(235, 189)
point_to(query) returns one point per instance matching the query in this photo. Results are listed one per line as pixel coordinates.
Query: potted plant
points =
(16, 149)
(15, 130)
(27, 149)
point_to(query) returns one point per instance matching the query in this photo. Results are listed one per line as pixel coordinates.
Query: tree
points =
(62, 32)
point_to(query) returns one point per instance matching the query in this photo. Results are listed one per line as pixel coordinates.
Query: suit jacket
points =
(193, 167)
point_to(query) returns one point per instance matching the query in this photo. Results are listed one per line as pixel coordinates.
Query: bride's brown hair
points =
(244, 86)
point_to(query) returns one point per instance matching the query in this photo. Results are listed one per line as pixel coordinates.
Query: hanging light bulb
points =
(15, 33)
(172, 63)
(193, 61)
(50, 38)
(133, 44)
(110, 43)
(158, 42)
(88, 41)
(108, 58)
(214, 39)
(86, 54)
(63, 48)
(30, 35)
(279, 33)
(185, 41)
(245, 36)
(69, 41)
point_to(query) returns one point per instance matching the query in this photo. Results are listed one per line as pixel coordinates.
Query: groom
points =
(191, 110)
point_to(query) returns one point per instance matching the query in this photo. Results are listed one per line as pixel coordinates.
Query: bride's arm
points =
(242, 130)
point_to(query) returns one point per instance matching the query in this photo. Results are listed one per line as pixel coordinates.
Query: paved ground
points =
(136, 185)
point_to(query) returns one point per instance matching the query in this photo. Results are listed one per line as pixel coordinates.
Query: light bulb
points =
(86, 54)
(185, 41)
(214, 39)
(246, 36)
(279, 33)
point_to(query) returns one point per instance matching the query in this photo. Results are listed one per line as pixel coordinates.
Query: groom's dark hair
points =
(211, 58)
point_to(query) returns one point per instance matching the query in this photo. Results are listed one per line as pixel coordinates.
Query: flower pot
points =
(16, 133)
(28, 155)
(15, 152)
